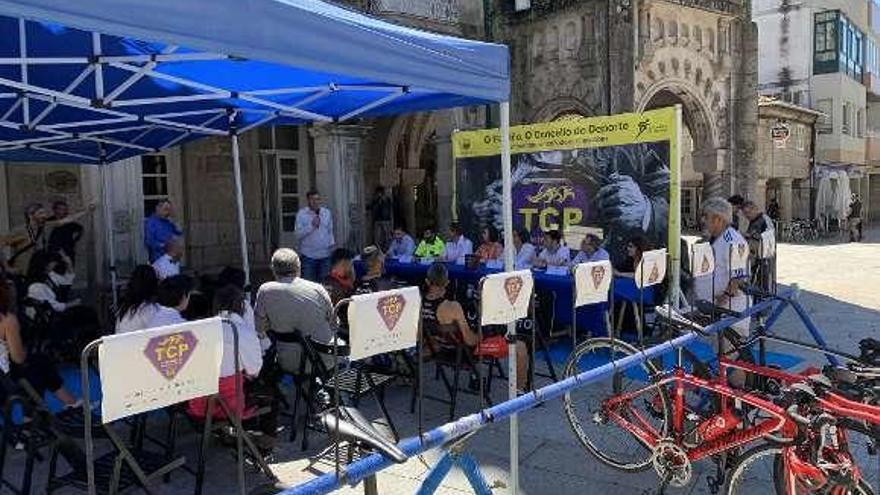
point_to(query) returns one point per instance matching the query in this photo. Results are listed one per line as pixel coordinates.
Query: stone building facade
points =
(584, 57)
(786, 149)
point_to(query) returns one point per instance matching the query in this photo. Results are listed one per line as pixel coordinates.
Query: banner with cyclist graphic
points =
(612, 173)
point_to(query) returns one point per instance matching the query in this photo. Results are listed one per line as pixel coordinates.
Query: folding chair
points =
(355, 382)
(32, 437)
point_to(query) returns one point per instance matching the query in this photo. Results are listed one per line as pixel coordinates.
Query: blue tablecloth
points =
(590, 317)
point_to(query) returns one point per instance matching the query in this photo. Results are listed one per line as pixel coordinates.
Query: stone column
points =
(409, 179)
(785, 202)
(712, 164)
(339, 177)
(760, 193)
(713, 185)
(445, 179)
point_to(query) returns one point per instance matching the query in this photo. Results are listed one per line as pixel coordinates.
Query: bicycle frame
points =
(680, 381)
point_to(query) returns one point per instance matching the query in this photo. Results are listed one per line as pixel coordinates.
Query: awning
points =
(95, 81)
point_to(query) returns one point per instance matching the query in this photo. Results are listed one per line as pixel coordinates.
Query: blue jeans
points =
(314, 269)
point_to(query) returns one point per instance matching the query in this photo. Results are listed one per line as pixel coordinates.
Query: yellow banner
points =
(571, 133)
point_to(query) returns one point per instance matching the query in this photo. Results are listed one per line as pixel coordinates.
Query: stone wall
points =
(211, 227)
(558, 60)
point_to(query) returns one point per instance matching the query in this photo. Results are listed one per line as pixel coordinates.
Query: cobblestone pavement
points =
(839, 289)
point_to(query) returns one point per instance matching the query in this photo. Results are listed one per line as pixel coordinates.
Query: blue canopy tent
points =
(95, 81)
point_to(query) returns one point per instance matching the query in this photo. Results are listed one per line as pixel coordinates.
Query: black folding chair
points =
(319, 382)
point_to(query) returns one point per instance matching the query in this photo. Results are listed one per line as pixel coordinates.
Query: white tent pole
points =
(108, 226)
(239, 203)
(675, 211)
(509, 255)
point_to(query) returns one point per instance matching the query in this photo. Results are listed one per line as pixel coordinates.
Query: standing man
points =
(159, 229)
(759, 222)
(854, 219)
(723, 287)
(65, 235)
(458, 246)
(736, 202)
(380, 211)
(314, 233)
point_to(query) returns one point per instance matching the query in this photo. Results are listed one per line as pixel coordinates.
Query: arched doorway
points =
(700, 165)
(410, 150)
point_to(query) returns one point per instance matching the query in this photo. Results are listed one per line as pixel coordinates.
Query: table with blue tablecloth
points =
(589, 318)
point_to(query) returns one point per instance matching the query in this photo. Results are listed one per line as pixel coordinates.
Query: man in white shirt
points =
(554, 253)
(723, 287)
(402, 244)
(525, 250)
(173, 299)
(591, 251)
(458, 246)
(168, 265)
(314, 233)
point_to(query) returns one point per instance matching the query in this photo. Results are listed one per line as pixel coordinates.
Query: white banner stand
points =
(505, 298)
(152, 369)
(702, 260)
(650, 271)
(378, 323)
(592, 285)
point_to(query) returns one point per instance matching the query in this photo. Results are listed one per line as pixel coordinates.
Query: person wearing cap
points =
(374, 280)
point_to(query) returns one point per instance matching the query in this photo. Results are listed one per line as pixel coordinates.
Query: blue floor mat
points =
(73, 383)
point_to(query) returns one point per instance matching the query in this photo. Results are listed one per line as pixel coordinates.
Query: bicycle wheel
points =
(604, 439)
(761, 468)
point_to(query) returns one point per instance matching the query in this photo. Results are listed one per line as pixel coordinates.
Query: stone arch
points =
(697, 112)
(558, 107)
(407, 137)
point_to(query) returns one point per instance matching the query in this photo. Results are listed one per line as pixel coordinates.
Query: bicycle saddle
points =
(707, 307)
(677, 318)
(354, 427)
(870, 351)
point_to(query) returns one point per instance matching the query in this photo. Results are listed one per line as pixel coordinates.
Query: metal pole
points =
(509, 255)
(108, 226)
(87, 415)
(239, 203)
(674, 221)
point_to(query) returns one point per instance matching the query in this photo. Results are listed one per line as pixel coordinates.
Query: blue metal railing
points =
(413, 446)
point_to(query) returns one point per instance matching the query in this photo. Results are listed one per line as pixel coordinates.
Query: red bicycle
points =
(667, 421)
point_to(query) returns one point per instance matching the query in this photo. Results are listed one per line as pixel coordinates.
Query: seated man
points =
(431, 246)
(402, 244)
(554, 253)
(458, 246)
(446, 327)
(374, 280)
(168, 264)
(290, 304)
(591, 251)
